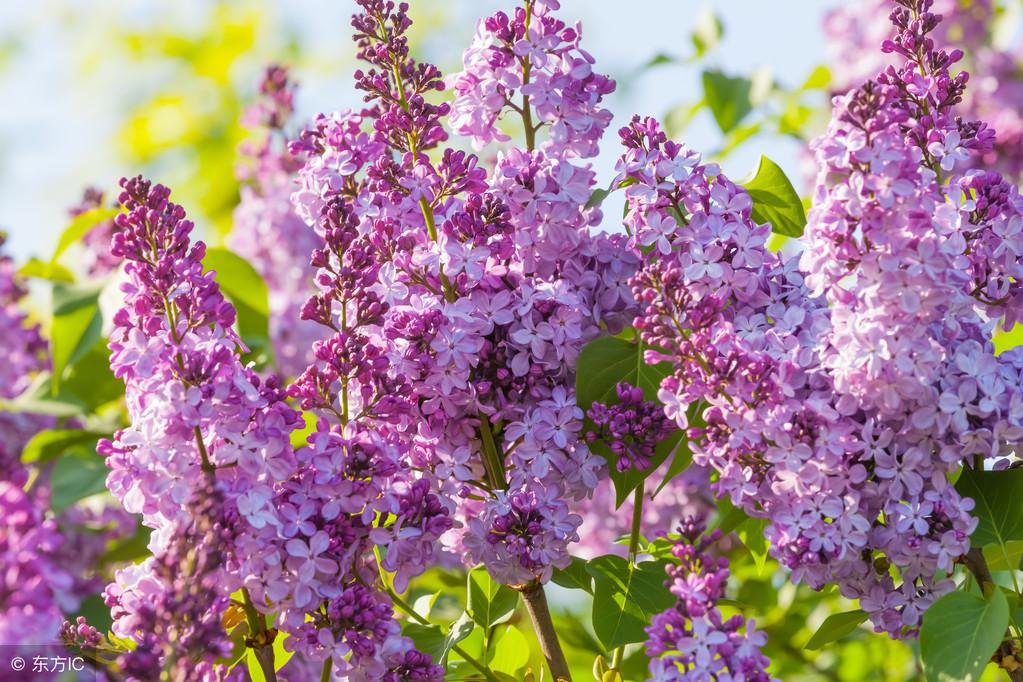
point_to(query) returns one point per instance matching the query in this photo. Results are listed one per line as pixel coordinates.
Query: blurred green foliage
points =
(187, 126)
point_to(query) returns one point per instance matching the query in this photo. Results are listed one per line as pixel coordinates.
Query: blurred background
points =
(97, 89)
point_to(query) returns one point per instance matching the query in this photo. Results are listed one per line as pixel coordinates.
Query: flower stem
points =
(492, 458)
(527, 114)
(536, 604)
(407, 608)
(327, 666)
(637, 521)
(261, 642)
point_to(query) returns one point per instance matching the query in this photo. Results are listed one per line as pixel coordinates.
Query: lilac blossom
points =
(692, 641)
(35, 588)
(842, 385)
(266, 230)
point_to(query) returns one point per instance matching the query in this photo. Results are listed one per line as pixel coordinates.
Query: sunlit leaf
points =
(74, 477)
(625, 597)
(52, 443)
(960, 631)
(54, 272)
(835, 627)
(76, 327)
(728, 98)
(80, 226)
(775, 200)
(489, 602)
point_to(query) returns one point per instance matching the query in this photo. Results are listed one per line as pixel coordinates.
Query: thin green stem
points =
(327, 666)
(204, 456)
(527, 114)
(424, 205)
(637, 522)
(411, 612)
(260, 641)
(431, 229)
(491, 456)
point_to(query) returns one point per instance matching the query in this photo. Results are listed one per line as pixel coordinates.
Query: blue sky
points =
(54, 123)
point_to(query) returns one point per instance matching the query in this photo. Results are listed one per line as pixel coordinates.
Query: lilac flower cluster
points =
(96, 256)
(208, 459)
(172, 605)
(631, 428)
(840, 389)
(604, 524)
(692, 641)
(24, 352)
(49, 560)
(860, 28)
(206, 439)
(460, 298)
(266, 231)
(88, 530)
(34, 587)
(537, 56)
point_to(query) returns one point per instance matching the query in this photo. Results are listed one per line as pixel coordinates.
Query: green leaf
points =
(603, 364)
(75, 476)
(736, 138)
(80, 226)
(574, 576)
(39, 398)
(244, 287)
(625, 597)
(460, 629)
(997, 509)
(728, 98)
(1007, 558)
(95, 611)
(636, 665)
(960, 631)
(509, 652)
(77, 326)
(252, 663)
(130, 549)
(597, 198)
(299, 437)
(683, 455)
(707, 32)
(51, 444)
(729, 518)
(54, 272)
(489, 602)
(819, 79)
(835, 627)
(90, 381)
(599, 194)
(752, 535)
(429, 639)
(424, 605)
(626, 482)
(657, 60)
(775, 200)
(238, 279)
(678, 118)
(281, 655)
(54, 407)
